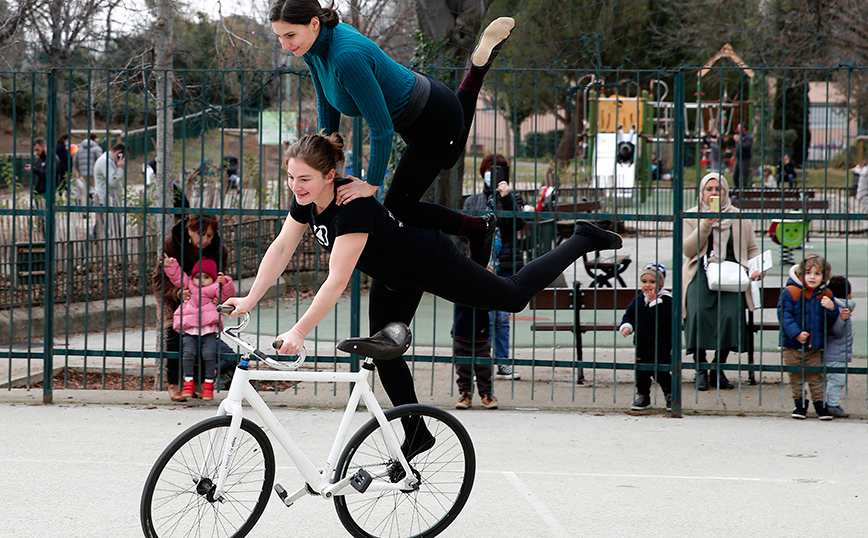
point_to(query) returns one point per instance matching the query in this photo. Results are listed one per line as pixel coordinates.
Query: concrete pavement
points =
(78, 470)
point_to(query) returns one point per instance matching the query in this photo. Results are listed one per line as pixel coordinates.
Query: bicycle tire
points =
(175, 498)
(446, 473)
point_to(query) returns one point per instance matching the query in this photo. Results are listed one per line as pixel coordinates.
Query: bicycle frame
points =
(319, 482)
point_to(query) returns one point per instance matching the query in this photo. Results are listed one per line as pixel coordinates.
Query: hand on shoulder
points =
(357, 188)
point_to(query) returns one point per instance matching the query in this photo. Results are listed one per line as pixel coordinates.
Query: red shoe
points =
(189, 388)
(207, 391)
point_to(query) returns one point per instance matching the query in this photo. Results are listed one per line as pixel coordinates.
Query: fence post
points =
(677, 233)
(356, 280)
(50, 187)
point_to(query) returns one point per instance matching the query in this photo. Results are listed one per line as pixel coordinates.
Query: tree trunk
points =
(164, 78)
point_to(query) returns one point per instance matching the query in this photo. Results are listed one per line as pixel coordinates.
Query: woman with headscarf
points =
(715, 319)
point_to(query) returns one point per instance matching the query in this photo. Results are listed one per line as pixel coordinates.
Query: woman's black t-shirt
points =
(396, 254)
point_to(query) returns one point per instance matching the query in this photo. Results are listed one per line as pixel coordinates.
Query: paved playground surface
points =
(77, 471)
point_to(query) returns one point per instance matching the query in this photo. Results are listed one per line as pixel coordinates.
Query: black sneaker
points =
(602, 239)
(801, 410)
(822, 412)
(492, 39)
(420, 443)
(505, 371)
(641, 403)
(669, 402)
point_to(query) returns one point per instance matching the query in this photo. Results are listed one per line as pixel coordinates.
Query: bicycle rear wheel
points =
(445, 472)
(178, 499)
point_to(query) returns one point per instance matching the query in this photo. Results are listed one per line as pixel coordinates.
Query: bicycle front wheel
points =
(179, 498)
(445, 473)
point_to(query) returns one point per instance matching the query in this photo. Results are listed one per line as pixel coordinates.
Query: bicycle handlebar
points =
(234, 335)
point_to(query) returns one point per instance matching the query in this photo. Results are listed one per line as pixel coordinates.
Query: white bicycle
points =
(407, 472)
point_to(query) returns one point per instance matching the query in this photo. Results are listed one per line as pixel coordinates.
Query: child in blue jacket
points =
(805, 312)
(649, 319)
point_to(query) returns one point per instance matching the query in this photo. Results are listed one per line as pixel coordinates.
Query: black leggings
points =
(457, 279)
(435, 141)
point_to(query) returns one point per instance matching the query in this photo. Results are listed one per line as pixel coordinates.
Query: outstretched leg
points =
(455, 278)
(436, 140)
(493, 38)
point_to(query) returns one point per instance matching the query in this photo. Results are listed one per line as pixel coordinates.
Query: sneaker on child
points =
(837, 411)
(465, 401)
(641, 403)
(505, 371)
(489, 401)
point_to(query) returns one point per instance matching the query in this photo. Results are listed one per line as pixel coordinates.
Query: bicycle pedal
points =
(283, 494)
(361, 480)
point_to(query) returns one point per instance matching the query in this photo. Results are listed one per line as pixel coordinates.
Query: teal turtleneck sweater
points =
(354, 77)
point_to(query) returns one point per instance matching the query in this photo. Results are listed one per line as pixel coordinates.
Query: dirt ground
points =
(75, 380)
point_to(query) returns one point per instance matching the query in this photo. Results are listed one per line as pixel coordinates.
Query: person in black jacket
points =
(787, 172)
(506, 259)
(62, 150)
(39, 183)
(649, 320)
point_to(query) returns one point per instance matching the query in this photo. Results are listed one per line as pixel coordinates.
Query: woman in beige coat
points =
(713, 319)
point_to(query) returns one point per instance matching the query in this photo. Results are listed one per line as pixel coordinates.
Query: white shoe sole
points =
(496, 32)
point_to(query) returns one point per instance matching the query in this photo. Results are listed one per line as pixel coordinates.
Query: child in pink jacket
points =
(197, 319)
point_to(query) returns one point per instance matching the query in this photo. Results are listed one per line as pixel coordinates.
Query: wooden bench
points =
(780, 199)
(619, 299)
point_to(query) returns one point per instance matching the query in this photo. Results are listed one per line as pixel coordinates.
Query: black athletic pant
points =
(457, 279)
(663, 377)
(435, 141)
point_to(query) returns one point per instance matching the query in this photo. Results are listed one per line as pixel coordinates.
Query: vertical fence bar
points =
(356, 279)
(50, 186)
(677, 232)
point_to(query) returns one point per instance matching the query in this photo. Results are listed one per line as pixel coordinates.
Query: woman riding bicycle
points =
(404, 261)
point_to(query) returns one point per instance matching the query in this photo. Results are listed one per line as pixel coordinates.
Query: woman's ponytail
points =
(320, 152)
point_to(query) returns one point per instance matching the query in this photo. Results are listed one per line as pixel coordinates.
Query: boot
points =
(702, 380)
(801, 409)
(175, 394)
(822, 412)
(718, 378)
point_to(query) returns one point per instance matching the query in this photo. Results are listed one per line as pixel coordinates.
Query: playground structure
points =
(646, 121)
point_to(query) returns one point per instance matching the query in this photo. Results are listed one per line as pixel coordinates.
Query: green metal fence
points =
(75, 293)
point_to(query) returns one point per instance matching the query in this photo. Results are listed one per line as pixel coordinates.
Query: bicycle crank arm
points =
(287, 499)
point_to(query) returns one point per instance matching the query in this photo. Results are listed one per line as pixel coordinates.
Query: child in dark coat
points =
(649, 320)
(805, 312)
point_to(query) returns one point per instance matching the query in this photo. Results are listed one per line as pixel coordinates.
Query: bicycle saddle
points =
(390, 343)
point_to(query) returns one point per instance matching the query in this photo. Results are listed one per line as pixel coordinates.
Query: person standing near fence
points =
(197, 236)
(198, 320)
(354, 77)
(649, 319)
(471, 331)
(741, 175)
(839, 345)
(63, 156)
(506, 259)
(84, 161)
(39, 183)
(806, 312)
(715, 319)
(109, 191)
